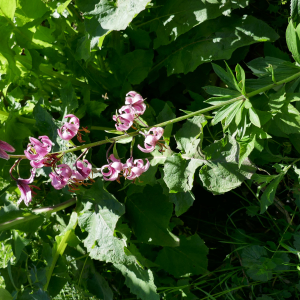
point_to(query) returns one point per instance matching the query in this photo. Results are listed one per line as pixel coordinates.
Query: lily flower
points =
(25, 189)
(82, 172)
(69, 129)
(37, 150)
(114, 168)
(136, 101)
(125, 118)
(5, 147)
(151, 139)
(135, 168)
(60, 177)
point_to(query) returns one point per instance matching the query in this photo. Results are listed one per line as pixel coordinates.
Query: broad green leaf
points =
(139, 281)
(218, 91)
(98, 218)
(109, 15)
(175, 17)
(254, 118)
(288, 120)
(63, 6)
(213, 40)
(7, 8)
(149, 214)
(187, 136)
(277, 100)
(20, 244)
(188, 258)
(293, 40)
(5, 295)
(179, 173)
(182, 200)
(295, 11)
(246, 147)
(221, 172)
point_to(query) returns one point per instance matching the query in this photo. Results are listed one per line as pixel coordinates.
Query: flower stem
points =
(187, 116)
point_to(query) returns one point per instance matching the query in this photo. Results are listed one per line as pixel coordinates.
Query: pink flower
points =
(60, 178)
(37, 150)
(134, 169)
(125, 118)
(5, 147)
(25, 189)
(82, 172)
(69, 129)
(114, 168)
(136, 101)
(151, 139)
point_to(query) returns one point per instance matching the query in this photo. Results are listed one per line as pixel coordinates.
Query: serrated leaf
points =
(227, 111)
(241, 78)
(293, 40)
(188, 258)
(179, 173)
(246, 147)
(254, 118)
(226, 77)
(218, 91)
(149, 214)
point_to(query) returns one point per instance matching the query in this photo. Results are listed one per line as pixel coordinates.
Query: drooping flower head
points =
(114, 168)
(136, 101)
(124, 119)
(151, 139)
(135, 168)
(60, 178)
(83, 170)
(36, 150)
(69, 129)
(5, 147)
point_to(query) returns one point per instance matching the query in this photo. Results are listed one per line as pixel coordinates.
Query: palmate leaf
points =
(149, 214)
(212, 40)
(188, 258)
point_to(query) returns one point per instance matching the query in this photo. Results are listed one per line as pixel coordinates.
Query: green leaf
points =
(268, 195)
(213, 40)
(226, 77)
(110, 15)
(178, 16)
(254, 118)
(20, 244)
(221, 172)
(288, 120)
(277, 100)
(293, 40)
(218, 91)
(98, 218)
(149, 214)
(7, 8)
(187, 136)
(5, 295)
(241, 78)
(246, 147)
(139, 281)
(183, 201)
(188, 258)
(228, 111)
(295, 11)
(68, 98)
(179, 173)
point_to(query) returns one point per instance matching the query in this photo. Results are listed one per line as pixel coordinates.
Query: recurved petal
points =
(3, 154)
(6, 147)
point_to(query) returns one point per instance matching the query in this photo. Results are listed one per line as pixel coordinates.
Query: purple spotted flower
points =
(37, 150)
(136, 101)
(5, 147)
(69, 129)
(60, 177)
(114, 168)
(83, 170)
(135, 168)
(151, 139)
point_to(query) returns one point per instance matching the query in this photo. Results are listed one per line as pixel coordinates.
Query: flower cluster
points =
(133, 168)
(133, 108)
(38, 152)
